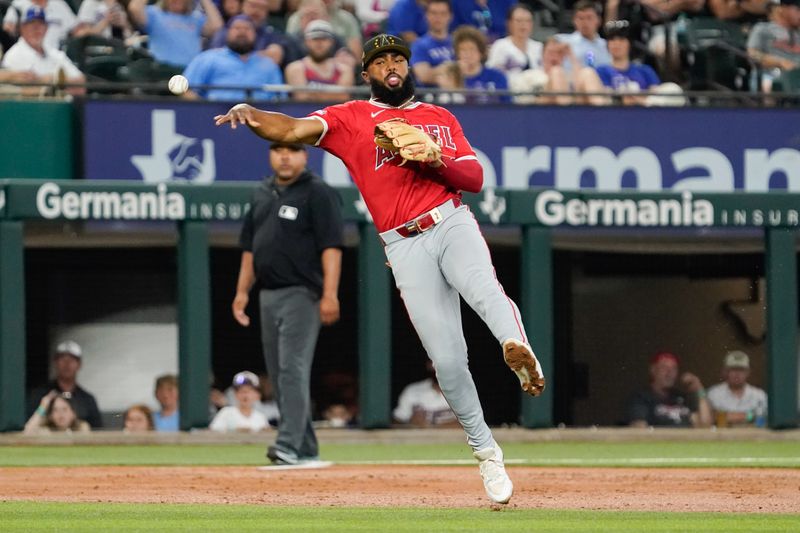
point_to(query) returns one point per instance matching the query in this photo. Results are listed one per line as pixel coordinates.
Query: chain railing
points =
(285, 93)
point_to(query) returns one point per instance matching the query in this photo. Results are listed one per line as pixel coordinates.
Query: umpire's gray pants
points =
(290, 324)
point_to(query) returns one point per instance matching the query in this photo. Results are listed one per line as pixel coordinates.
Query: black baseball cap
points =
(383, 43)
(291, 146)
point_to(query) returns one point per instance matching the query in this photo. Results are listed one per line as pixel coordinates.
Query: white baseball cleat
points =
(520, 358)
(495, 480)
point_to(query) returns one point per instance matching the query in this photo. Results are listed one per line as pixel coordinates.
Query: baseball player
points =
(410, 160)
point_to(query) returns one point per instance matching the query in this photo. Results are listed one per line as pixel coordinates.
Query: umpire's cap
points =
(383, 43)
(295, 147)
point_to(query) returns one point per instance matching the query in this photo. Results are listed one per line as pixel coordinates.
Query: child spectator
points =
(471, 50)
(55, 414)
(138, 419)
(243, 417)
(168, 418)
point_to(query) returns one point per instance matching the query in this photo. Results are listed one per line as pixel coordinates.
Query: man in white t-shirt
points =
(422, 404)
(242, 417)
(61, 19)
(31, 54)
(736, 402)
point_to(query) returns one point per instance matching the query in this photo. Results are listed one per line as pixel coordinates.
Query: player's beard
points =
(392, 97)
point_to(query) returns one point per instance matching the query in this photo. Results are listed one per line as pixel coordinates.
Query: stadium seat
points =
(91, 49)
(715, 52)
(789, 82)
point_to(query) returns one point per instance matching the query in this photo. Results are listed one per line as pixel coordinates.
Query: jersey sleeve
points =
(463, 148)
(338, 122)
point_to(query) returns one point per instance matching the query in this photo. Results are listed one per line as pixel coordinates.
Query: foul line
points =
(595, 461)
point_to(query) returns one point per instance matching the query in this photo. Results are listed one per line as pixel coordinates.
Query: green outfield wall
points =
(538, 212)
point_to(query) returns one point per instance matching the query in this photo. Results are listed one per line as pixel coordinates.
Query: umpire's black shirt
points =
(288, 228)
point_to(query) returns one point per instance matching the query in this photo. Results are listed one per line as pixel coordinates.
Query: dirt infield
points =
(762, 490)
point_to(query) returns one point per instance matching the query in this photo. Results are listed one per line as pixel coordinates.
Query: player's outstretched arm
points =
(271, 125)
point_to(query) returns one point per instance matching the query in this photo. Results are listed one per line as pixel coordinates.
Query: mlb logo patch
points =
(288, 212)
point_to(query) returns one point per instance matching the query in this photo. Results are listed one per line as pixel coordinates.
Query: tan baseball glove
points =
(411, 143)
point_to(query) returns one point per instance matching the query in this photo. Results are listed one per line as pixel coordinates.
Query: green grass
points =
(29, 516)
(783, 454)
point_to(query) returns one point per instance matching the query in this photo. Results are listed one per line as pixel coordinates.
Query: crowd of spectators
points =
(672, 398)
(615, 49)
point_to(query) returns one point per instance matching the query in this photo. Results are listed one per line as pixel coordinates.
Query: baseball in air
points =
(178, 84)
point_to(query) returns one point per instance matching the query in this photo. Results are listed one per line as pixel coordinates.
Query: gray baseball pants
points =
(431, 270)
(290, 326)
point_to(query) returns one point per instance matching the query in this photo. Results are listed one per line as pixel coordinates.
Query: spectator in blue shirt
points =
(634, 81)
(489, 16)
(235, 65)
(587, 45)
(435, 47)
(407, 20)
(174, 28)
(281, 48)
(167, 419)
(472, 49)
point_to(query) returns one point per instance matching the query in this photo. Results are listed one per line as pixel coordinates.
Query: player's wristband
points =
(749, 417)
(701, 393)
(40, 411)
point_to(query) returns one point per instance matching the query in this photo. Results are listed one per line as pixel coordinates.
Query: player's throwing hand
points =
(238, 114)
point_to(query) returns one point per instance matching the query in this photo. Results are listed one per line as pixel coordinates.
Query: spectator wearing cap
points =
(775, 45)
(320, 67)
(266, 405)
(168, 418)
(281, 48)
(345, 25)
(663, 403)
(174, 28)
(62, 20)
(291, 243)
(31, 54)
(734, 401)
(67, 363)
(243, 416)
(436, 46)
(236, 65)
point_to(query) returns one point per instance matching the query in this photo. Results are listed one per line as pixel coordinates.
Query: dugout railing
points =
(537, 212)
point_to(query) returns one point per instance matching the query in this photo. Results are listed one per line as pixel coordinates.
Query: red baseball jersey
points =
(393, 194)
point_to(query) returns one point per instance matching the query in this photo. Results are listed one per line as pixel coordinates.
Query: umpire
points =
(291, 244)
